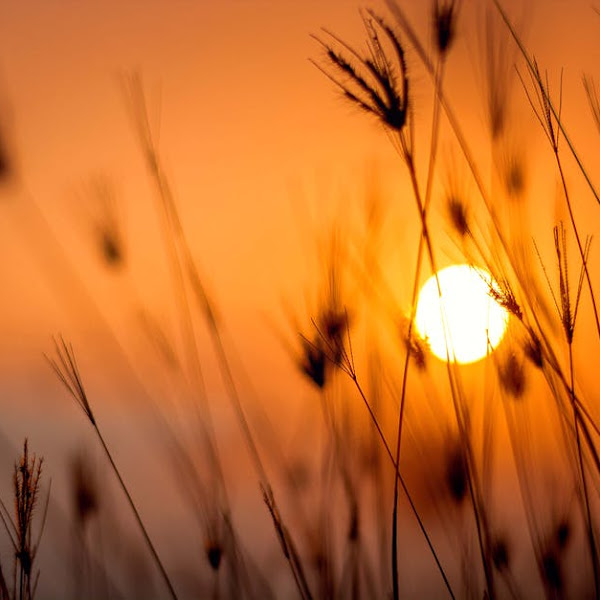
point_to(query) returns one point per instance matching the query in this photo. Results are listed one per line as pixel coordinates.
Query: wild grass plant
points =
(416, 477)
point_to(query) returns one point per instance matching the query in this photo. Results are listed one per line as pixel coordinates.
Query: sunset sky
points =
(264, 158)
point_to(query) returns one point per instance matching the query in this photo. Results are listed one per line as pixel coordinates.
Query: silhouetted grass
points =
(393, 430)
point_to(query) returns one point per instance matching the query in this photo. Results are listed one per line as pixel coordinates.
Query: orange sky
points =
(261, 152)
(247, 125)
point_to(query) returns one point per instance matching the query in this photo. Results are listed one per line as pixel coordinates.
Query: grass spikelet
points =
(65, 367)
(418, 349)
(26, 482)
(107, 227)
(27, 475)
(532, 348)
(539, 100)
(214, 553)
(562, 534)
(381, 89)
(514, 173)
(511, 375)
(333, 325)
(313, 361)
(501, 291)
(500, 554)
(497, 70)
(456, 473)
(84, 490)
(445, 13)
(458, 215)
(551, 571)
(565, 307)
(591, 92)
(456, 199)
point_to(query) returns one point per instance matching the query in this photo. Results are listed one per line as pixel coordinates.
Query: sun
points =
(474, 322)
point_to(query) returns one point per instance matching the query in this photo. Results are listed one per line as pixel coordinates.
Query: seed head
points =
(511, 375)
(444, 24)
(456, 475)
(501, 291)
(500, 554)
(533, 350)
(379, 86)
(565, 306)
(563, 533)
(551, 570)
(457, 212)
(214, 553)
(333, 325)
(84, 489)
(313, 361)
(65, 367)
(106, 225)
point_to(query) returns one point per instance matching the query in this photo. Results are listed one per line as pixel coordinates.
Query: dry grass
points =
(407, 451)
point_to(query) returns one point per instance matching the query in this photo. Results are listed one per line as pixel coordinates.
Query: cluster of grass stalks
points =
(406, 460)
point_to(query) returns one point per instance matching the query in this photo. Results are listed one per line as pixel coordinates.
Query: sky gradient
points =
(265, 159)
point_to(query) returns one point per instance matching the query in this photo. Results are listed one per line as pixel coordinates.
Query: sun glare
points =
(473, 323)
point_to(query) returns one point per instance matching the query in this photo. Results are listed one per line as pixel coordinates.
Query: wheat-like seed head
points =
(65, 367)
(382, 87)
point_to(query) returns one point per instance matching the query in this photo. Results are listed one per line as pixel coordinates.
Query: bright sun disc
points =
(475, 322)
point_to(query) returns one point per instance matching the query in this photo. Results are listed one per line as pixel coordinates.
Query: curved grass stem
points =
(138, 518)
(584, 485)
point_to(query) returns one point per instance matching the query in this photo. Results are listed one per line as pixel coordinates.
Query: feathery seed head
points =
(379, 86)
(502, 293)
(65, 367)
(26, 486)
(540, 102)
(565, 307)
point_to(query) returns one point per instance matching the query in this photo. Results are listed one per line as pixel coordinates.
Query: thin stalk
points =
(555, 112)
(181, 261)
(588, 516)
(464, 146)
(577, 237)
(149, 543)
(480, 523)
(402, 482)
(432, 159)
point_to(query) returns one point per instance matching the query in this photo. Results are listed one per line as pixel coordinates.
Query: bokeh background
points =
(264, 158)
